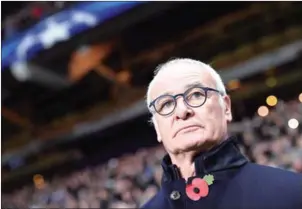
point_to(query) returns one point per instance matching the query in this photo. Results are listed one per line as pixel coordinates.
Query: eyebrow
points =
(191, 85)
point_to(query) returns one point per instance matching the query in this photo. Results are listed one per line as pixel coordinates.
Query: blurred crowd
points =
(275, 140)
(131, 180)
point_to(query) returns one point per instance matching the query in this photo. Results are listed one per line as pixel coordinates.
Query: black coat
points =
(238, 183)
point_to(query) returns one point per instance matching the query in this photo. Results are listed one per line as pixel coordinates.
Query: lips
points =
(186, 129)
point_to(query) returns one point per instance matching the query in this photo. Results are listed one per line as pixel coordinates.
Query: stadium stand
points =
(132, 179)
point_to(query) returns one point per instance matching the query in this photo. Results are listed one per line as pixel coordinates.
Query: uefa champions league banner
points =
(59, 27)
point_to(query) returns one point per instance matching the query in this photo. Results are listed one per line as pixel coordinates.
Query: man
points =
(203, 167)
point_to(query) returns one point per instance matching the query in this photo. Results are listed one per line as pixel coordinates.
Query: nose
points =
(182, 111)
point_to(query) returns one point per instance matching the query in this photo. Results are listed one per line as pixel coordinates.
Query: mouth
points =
(187, 129)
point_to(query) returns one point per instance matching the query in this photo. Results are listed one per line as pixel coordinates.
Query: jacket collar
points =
(223, 157)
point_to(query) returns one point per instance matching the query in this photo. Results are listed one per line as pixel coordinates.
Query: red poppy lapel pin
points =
(199, 187)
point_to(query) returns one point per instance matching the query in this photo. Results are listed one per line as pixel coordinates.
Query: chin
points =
(192, 141)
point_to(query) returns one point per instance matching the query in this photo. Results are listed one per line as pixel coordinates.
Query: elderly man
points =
(203, 167)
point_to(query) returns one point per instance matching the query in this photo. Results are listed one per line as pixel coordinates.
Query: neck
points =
(221, 160)
(185, 160)
(185, 164)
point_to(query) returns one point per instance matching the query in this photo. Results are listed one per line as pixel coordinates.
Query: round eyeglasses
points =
(193, 97)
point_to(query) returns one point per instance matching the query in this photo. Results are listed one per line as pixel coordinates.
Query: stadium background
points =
(75, 129)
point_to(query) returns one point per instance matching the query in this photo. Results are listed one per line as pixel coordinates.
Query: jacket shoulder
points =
(274, 173)
(274, 176)
(276, 182)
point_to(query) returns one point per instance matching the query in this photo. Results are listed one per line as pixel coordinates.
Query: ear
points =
(159, 139)
(227, 108)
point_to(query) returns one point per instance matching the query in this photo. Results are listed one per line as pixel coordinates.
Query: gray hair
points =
(219, 83)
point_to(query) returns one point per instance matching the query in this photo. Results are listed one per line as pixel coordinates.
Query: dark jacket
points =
(238, 184)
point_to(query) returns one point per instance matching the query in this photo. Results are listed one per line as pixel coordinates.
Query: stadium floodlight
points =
(20, 71)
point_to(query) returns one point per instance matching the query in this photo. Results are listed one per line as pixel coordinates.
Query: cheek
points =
(161, 126)
(164, 128)
(210, 114)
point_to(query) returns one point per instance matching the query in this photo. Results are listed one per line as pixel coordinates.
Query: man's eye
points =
(167, 104)
(196, 95)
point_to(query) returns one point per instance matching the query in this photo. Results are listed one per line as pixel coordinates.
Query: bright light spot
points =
(271, 82)
(271, 100)
(263, 111)
(293, 123)
(300, 97)
(37, 177)
(20, 71)
(39, 181)
(123, 76)
(233, 84)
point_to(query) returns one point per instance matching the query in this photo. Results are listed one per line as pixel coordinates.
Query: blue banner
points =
(60, 27)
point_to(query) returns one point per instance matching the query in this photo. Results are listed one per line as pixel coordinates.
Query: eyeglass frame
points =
(206, 89)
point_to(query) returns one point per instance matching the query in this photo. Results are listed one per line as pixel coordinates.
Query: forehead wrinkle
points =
(193, 74)
(188, 86)
(194, 84)
(186, 72)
